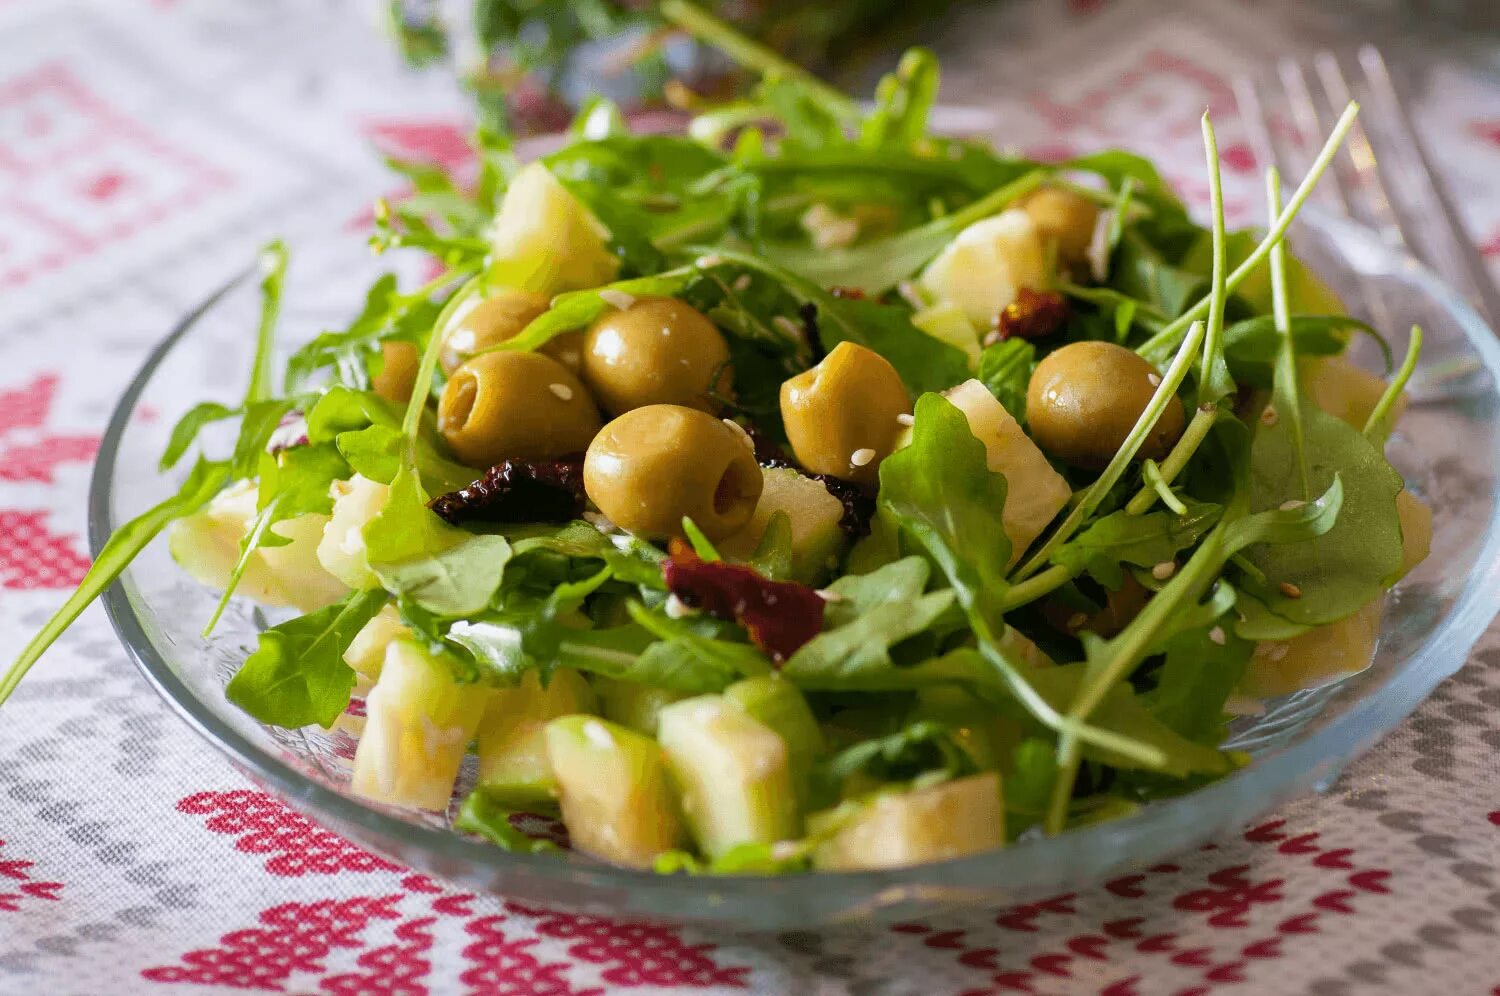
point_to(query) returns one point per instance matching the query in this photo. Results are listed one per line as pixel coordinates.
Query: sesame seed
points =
(1278, 651)
(829, 596)
(616, 298)
(1269, 416)
(1154, 379)
(711, 260)
(787, 326)
(906, 419)
(598, 734)
(563, 391)
(739, 430)
(861, 456)
(1216, 636)
(1291, 504)
(991, 338)
(1076, 620)
(1289, 590)
(1208, 408)
(742, 282)
(1164, 570)
(570, 357)
(676, 608)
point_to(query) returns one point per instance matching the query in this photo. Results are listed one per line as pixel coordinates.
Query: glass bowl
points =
(1447, 447)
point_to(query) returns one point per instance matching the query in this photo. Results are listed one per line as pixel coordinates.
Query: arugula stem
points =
(273, 260)
(1033, 588)
(1151, 471)
(248, 546)
(1286, 397)
(1376, 428)
(411, 422)
(1171, 380)
(1177, 460)
(1164, 340)
(707, 28)
(1213, 380)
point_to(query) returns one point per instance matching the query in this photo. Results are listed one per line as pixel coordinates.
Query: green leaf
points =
(1120, 538)
(206, 480)
(1202, 668)
(455, 582)
(874, 613)
(577, 309)
(903, 102)
(944, 496)
(482, 815)
(327, 349)
(1028, 783)
(772, 558)
(257, 425)
(1005, 370)
(273, 260)
(701, 544)
(683, 647)
(189, 426)
(297, 675)
(405, 528)
(919, 748)
(1335, 573)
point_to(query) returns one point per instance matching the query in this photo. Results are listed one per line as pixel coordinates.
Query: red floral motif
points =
(392, 969)
(32, 556)
(637, 954)
(293, 938)
(15, 870)
(504, 967)
(265, 826)
(441, 143)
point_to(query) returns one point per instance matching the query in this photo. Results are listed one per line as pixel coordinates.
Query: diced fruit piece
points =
(947, 322)
(733, 773)
(366, 653)
(545, 240)
(342, 549)
(1035, 493)
(817, 538)
(632, 704)
(513, 767)
(987, 737)
(896, 830)
(1416, 533)
(1280, 667)
(418, 725)
(615, 791)
(777, 704)
(207, 545)
(1345, 391)
(986, 265)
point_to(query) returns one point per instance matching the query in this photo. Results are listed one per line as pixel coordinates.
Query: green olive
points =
(398, 371)
(1065, 218)
(1084, 399)
(653, 465)
(524, 406)
(843, 416)
(499, 317)
(658, 351)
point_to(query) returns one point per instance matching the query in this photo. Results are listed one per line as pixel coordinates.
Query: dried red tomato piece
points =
(1032, 315)
(519, 491)
(847, 293)
(859, 504)
(780, 616)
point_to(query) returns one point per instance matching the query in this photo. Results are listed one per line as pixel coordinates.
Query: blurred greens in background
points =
(535, 61)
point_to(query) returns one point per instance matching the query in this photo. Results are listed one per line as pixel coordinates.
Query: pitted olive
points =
(654, 465)
(398, 371)
(658, 351)
(1065, 218)
(1084, 399)
(499, 317)
(842, 416)
(524, 406)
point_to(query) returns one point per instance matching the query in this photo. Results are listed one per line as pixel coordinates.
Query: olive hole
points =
(732, 487)
(465, 393)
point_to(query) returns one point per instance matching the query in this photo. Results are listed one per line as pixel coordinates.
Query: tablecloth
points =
(147, 146)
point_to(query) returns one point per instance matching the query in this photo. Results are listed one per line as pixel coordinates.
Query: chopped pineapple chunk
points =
(896, 830)
(513, 766)
(545, 240)
(817, 539)
(948, 323)
(342, 549)
(207, 545)
(1415, 517)
(985, 266)
(1344, 647)
(616, 795)
(1345, 391)
(417, 729)
(366, 651)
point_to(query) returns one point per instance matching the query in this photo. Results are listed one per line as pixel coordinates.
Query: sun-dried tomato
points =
(780, 616)
(768, 452)
(1032, 315)
(519, 491)
(859, 504)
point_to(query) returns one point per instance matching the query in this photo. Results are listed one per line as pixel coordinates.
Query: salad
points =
(805, 491)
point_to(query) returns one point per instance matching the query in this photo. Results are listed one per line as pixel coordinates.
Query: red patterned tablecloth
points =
(146, 146)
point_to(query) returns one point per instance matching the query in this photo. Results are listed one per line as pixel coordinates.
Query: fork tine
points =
(1370, 199)
(1310, 129)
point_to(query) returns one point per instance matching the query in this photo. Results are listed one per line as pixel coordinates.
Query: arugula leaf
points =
(1005, 370)
(919, 748)
(328, 348)
(1202, 668)
(577, 309)
(480, 814)
(188, 427)
(682, 646)
(1143, 540)
(258, 423)
(367, 430)
(1028, 781)
(206, 480)
(297, 675)
(944, 496)
(405, 528)
(273, 260)
(1332, 574)
(455, 582)
(903, 103)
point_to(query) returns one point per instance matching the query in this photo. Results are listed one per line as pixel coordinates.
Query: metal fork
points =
(1382, 179)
